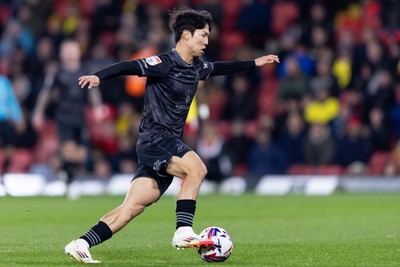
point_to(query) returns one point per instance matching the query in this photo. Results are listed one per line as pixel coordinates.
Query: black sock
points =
(185, 210)
(69, 168)
(97, 234)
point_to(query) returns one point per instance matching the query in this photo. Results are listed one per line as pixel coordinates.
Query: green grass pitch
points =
(338, 230)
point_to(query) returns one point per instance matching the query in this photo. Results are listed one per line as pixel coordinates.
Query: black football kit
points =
(170, 88)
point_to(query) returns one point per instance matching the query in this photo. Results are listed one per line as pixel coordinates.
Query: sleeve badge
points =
(154, 60)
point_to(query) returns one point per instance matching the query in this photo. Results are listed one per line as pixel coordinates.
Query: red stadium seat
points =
(329, 170)
(217, 99)
(21, 161)
(251, 128)
(240, 170)
(284, 14)
(301, 169)
(377, 162)
(47, 144)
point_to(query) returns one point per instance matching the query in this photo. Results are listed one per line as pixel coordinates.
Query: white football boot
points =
(184, 237)
(79, 250)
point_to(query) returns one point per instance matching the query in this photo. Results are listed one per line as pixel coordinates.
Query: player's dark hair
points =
(190, 20)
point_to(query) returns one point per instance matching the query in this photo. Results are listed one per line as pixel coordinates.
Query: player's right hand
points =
(89, 80)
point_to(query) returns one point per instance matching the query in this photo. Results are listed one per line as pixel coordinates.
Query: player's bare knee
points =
(199, 172)
(203, 171)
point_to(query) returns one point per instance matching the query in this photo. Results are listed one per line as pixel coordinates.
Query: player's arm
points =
(227, 67)
(44, 96)
(151, 66)
(129, 67)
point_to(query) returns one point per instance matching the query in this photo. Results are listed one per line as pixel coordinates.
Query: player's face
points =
(70, 52)
(199, 41)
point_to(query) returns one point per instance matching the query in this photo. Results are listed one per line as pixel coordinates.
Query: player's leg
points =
(7, 141)
(193, 171)
(142, 193)
(72, 148)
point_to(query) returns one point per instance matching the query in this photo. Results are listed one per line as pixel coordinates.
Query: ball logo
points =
(222, 248)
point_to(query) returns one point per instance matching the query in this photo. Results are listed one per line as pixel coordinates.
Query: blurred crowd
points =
(332, 106)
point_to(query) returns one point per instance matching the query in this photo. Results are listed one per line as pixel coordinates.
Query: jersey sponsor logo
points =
(205, 66)
(154, 60)
(188, 101)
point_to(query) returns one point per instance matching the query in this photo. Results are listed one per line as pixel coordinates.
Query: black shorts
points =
(154, 159)
(68, 132)
(7, 134)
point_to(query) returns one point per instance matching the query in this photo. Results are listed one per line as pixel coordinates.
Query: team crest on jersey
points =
(154, 60)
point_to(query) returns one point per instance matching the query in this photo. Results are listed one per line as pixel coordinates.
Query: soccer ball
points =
(222, 248)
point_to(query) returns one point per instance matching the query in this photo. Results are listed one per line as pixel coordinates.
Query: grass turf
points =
(339, 230)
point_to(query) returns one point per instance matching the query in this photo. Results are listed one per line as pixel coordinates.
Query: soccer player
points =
(172, 80)
(70, 106)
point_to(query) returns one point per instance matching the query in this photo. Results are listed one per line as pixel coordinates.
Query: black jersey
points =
(168, 96)
(71, 101)
(170, 88)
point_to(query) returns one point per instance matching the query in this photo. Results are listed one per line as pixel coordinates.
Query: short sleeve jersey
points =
(171, 86)
(71, 100)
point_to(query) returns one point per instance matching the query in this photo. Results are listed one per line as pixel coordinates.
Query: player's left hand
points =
(261, 61)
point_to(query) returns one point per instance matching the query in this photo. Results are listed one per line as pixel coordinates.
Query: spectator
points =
(265, 156)
(209, 148)
(237, 146)
(295, 84)
(322, 108)
(394, 113)
(125, 160)
(380, 136)
(353, 147)
(318, 17)
(293, 138)
(319, 147)
(325, 78)
(254, 19)
(102, 169)
(40, 63)
(242, 102)
(380, 90)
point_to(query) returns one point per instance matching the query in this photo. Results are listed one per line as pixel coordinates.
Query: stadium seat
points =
(230, 42)
(251, 128)
(217, 99)
(267, 103)
(377, 162)
(21, 161)
(329, 170)
(224, 129)
(301, 169)
(284, 14)
(48, 143)
(101, 127)
(231, 9)
(240, 170)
